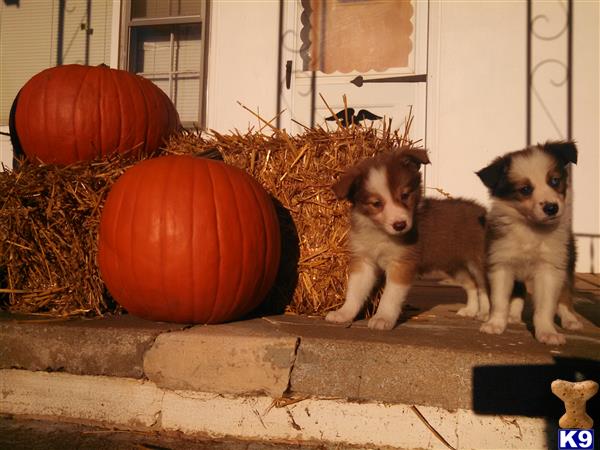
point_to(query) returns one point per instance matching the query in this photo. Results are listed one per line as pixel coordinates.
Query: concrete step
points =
(290, 377)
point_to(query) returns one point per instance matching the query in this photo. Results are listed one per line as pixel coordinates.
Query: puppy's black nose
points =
(550, 209)
(399, 226)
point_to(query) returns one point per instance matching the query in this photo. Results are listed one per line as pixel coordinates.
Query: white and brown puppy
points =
(395, 231)
(530, 238)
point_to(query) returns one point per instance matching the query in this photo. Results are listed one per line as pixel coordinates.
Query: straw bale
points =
(49, 217)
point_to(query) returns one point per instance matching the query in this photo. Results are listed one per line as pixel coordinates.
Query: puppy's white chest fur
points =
(524, 248)
(369, 242)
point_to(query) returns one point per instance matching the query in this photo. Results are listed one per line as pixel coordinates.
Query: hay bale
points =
(49, 217)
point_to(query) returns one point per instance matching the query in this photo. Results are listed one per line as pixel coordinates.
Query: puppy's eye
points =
(377, 204)
(404, 196)
(554, 182)
(526, 190)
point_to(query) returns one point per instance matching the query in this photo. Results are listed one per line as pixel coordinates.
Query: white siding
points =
(28, 41)
(27, 45)
(74, 41)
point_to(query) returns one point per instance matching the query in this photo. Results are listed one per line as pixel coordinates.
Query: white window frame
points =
(121, 52)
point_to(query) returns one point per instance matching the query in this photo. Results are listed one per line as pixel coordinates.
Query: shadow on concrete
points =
(524, 390)
(588, 305)
(428, 293)
(425, 294)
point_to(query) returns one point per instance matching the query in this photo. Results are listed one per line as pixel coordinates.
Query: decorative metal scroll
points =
(549, 78)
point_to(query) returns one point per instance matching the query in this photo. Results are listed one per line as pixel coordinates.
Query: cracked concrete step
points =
(230, 358)
(440, 361)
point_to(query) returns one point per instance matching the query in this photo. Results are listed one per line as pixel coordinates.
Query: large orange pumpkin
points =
(189, 240)
(77, 113)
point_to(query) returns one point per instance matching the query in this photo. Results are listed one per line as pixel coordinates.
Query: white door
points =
(374, 52)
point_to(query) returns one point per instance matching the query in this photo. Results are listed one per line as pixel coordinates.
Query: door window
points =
(355, 35)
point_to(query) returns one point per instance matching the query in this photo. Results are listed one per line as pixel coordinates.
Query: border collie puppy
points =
(395, 232)
(530, 239)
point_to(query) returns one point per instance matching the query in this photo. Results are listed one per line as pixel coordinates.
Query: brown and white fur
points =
(395, 231)
(530, 239)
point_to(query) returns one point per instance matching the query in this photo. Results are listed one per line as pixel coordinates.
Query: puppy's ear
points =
(565, 152)
(346, 185)
(495, 173)
(416, 156)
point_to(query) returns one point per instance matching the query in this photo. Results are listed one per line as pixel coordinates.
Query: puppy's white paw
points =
(339, 316)
(483, 315)
(381, 323)
(514, 318)
(571, 324)
(493, 326)
(568, 320)
(467, 311)
(484, 311)
(550, 337)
